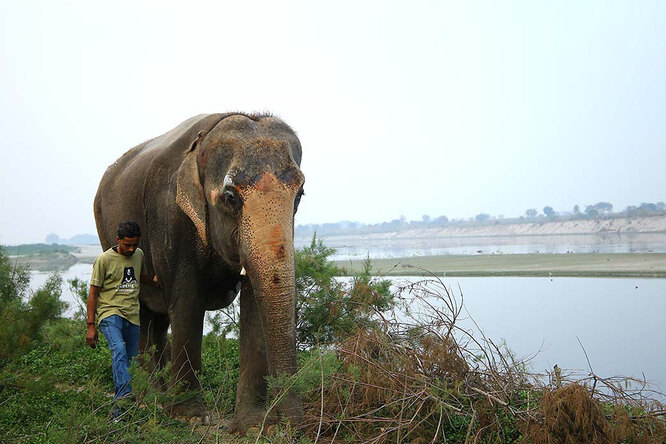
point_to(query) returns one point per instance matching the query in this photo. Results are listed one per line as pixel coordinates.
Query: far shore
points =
(645, 265)
(615, 226)
(59, 261)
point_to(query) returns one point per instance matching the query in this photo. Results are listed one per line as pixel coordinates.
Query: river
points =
(619, 322)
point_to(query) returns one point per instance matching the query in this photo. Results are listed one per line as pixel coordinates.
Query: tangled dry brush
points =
(419, 377)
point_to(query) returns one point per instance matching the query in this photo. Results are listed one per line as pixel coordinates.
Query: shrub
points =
(421, 378)
(329, 305)
(328, 308)
(80, 288)
(22, 322)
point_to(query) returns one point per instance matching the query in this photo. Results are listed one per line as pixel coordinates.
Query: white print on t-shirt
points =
(129, 283)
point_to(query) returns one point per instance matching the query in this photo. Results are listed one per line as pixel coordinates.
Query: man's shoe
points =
(118, 414)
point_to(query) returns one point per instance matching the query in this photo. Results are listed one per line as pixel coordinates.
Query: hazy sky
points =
(452, 108)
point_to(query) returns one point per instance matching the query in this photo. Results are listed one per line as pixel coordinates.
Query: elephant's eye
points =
(231, 200)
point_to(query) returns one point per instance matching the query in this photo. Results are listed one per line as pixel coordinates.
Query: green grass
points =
(62, 392)
(562, 265)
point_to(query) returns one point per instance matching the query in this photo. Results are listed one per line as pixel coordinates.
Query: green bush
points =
(330, 309)
(330, 306)
(80, 288)
(23, 316)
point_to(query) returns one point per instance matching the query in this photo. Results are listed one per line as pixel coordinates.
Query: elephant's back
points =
(134, 177)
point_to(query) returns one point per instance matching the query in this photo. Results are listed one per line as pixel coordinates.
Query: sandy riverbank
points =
(59, 261)
(87, 253)
(545, 227)
(571, 265)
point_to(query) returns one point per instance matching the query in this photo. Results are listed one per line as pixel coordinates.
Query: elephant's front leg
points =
(187, 315)
(252, 387)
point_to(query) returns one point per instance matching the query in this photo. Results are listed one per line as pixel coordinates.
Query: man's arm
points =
(91, 335)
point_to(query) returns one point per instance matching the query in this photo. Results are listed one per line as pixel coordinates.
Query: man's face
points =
(127, 245)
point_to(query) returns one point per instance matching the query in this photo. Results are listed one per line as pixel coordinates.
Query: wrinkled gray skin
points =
(215, 194)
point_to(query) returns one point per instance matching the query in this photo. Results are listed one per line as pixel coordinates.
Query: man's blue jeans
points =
(123, 339)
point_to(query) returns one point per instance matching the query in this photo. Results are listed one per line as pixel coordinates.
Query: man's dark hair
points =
(128, 229)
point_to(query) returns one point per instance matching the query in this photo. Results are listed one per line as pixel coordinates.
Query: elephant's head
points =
(241, 184)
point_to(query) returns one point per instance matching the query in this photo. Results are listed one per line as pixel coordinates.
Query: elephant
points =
(215, 198)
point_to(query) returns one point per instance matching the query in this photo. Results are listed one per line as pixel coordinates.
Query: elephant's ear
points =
(190, 194)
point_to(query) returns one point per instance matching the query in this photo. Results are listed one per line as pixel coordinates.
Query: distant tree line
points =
(594, 211)
(601, 209)
(348, 227)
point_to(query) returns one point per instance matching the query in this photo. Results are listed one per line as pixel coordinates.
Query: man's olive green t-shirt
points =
(118, 277)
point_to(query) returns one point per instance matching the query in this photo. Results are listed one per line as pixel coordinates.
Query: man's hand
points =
(149, 280)
(92, 338)
(91, 306)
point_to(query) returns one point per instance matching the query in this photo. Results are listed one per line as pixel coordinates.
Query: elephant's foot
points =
(250, 417)
(192, 408)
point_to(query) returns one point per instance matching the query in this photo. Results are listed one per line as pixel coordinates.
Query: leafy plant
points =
(23, 316)
(79, 288)
(329, 308)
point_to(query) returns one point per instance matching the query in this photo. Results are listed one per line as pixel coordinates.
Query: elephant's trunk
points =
(267, 252)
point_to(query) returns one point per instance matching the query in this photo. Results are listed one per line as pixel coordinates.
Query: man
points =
(114, 300)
